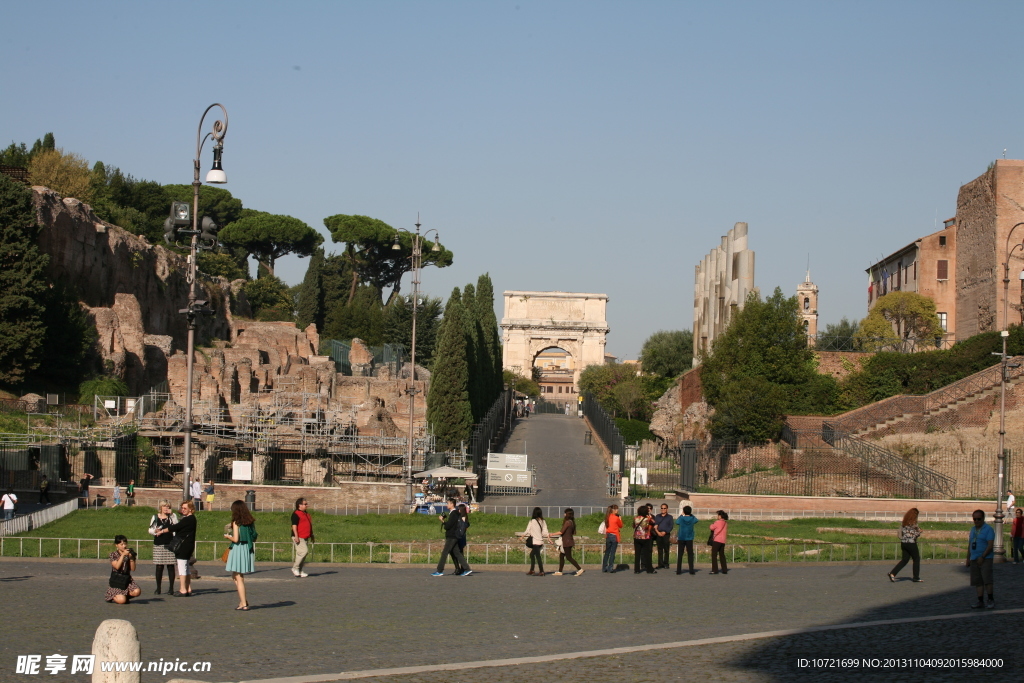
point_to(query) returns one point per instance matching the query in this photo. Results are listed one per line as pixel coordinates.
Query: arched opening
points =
(555, 371)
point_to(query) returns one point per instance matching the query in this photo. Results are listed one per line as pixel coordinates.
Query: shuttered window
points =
(943, 269)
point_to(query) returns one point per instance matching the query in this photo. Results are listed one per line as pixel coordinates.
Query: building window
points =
(942, 321)
(942, 240)
(942, 268)
(807, 303)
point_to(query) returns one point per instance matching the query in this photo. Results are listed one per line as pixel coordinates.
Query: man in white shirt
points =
(197, 494)
(1010, 500)
(9, 500)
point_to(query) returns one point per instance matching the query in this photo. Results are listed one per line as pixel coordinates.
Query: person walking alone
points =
(463, 512)
(536, 532)
(1017, 535)
(663, 523)
(302, 536)
(44, 490)
(643, 544)
(684, 537)
(242, 554)
(719, 532)
(909, 533)
(980, 557)
(450, 523)
(9, 502)
(568, 541)
(612, 525)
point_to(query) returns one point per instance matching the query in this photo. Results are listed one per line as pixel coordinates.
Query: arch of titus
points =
(534, 321)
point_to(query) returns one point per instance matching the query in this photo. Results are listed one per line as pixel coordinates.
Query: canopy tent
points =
(446, 472)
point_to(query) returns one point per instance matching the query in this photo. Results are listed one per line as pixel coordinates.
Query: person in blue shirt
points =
(686, 523)
(979, 559)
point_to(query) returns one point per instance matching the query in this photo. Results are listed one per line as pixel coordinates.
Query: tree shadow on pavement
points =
(892, 652)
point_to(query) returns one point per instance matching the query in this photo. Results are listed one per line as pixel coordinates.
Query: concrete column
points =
(116, 641)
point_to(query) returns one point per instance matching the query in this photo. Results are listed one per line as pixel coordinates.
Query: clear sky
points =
(575, 146)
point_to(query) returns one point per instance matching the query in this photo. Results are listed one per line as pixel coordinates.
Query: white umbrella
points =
(447, 472)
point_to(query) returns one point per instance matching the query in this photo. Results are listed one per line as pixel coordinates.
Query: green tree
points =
(20, 156)
(65, 173)
(363, 318)
(101, 386)
(218, 264)
(630, 396)
(600, 381)
(838, 336)
(22, 283)
(748, 409)
(269, 236)
(138, 206)
(490, 339)
(70, 339)
(269, 298)
(449, 412)
(902, 321)
(668, 353)
(398, 326)
(310, 308)
(520, 383)
(370, 254)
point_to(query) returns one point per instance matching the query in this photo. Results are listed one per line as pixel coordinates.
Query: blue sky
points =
(574, 146)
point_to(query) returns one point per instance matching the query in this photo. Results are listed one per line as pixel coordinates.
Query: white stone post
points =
(115, 641)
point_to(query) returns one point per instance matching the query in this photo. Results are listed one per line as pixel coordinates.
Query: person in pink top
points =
(719, 529)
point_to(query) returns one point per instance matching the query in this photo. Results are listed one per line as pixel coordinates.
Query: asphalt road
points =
(345, 619)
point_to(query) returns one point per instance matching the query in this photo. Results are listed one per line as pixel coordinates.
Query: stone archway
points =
(535, 321)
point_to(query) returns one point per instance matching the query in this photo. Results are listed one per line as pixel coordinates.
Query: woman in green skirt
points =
(241, 556)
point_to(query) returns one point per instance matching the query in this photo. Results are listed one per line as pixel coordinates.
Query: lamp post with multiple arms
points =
(204, 229)
(998, 549)
(417, 263)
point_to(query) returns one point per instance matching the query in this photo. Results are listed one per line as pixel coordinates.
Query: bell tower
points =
(807, 298)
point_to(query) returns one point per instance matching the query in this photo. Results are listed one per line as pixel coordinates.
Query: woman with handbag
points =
(566, 541)
(182, 545)
(612, 523)
(162, 557)
(122, 587)
(643, 544)
(719, 530)
(242, 554)
(536, 532)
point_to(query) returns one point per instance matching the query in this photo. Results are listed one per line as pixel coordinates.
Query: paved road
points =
(355, 619)
(569, 473)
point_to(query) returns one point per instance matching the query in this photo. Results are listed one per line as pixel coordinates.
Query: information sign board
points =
(516, 478)
(506, 461)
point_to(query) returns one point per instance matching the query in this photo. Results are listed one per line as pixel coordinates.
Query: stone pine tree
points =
(449, 412)
(490, 339)
(22, 283)
(311, 296)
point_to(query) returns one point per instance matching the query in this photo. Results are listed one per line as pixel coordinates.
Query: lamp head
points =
(1021, 275)
(396, 246)
(181, 213)
(216, 175)
(437, 246)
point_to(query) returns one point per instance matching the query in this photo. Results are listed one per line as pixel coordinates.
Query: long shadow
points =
(273, 605)
(15, 578)
(892, 652)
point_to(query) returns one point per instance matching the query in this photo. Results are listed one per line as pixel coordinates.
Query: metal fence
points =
(848, 342)
(23, 523)
(491, 431)
(426, 554)
(391, 355)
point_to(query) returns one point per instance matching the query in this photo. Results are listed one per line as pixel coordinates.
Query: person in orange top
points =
(719, 529)
(612, 525)
(1017, 535)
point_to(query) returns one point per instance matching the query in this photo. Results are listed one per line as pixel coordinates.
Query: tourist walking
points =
(129, 493)
(242, 553)
(9, 503)
(162, 556)
(612, 525)
(1010, 502)
(44, 490)
(684, 537)
(1017, 535)
(909, 533)
(979, 558)
(463, 512)
(566, 542)
(536, 532)
(663, 523)
(302, 536)
(450, 524)
(122, 587)
(719, 531)
(117, 494)
(643, 524)
(183, 544)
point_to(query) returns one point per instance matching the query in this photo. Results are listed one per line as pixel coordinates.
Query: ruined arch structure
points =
(534, 321)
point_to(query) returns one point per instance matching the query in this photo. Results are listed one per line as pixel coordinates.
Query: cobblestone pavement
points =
(569, 473)
(345, 618)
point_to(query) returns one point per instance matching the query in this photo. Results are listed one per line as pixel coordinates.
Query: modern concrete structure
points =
(560, 333)
(807, 297)
(723, 280)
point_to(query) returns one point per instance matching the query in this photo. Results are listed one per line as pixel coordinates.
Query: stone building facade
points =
(722, 282)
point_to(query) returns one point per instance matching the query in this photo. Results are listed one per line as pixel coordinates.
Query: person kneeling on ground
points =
(122, 587)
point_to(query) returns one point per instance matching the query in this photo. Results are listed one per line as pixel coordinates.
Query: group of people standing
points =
(650, 531)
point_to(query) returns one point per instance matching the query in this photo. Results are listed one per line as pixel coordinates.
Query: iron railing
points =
(849, 342)
(605, 428)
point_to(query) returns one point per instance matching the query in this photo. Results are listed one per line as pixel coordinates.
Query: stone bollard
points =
(115, 641)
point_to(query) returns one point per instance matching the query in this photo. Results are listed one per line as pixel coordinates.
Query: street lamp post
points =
(417, 262)
(196, 306)
(998, 549)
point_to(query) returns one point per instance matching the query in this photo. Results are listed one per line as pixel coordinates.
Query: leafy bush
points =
(101, 386)
(634, 431)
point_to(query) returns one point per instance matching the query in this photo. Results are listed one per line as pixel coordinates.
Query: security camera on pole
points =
(203, 235)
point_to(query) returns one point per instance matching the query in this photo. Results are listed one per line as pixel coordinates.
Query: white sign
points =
(241, 470)
(615, 461)
(519, 478)
(638, 475)
(110, 405)
(506, 461)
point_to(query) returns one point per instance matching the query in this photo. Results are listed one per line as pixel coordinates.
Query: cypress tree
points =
(449, 412)
(22, 283)
(311, 296)
(476, 386)
(491, 360)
